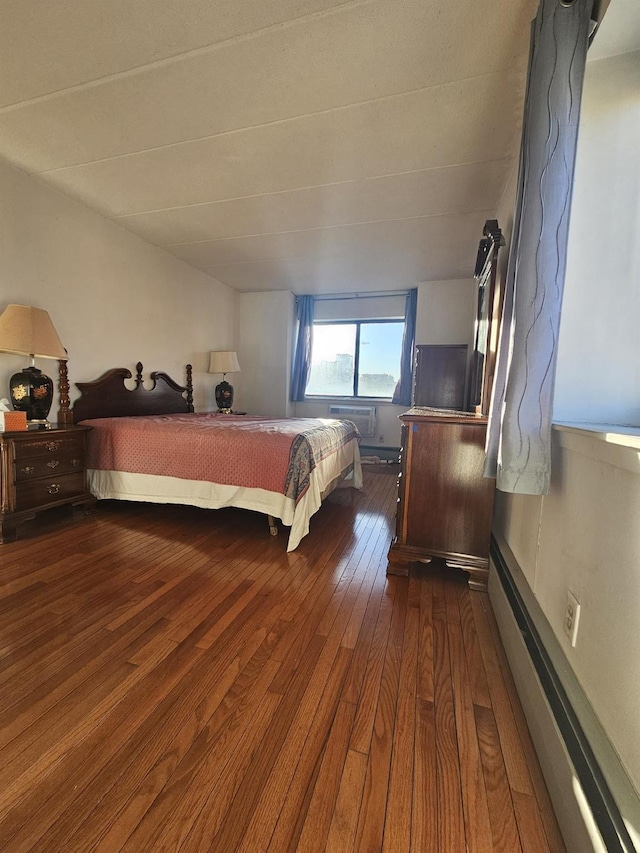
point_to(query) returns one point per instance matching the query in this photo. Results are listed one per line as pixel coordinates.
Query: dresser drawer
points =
(40, 466)
(49, 490)
(51, 447)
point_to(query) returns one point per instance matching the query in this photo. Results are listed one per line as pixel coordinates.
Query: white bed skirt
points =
(150, 488)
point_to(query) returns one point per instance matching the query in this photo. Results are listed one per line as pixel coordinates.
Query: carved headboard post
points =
(190, 387)
(65, 416)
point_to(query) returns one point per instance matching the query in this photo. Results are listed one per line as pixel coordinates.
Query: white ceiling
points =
(311, 145)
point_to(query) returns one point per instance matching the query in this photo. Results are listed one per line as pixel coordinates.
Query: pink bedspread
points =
(255, 452)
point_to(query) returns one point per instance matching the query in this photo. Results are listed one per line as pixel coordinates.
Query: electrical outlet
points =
(571, 617)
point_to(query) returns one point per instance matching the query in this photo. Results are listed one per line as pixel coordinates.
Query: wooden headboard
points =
(109, 397)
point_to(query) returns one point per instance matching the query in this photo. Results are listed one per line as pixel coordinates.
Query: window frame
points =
(356, 361)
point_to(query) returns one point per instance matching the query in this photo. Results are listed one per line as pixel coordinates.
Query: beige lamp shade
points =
(223, 362)
(29, 331)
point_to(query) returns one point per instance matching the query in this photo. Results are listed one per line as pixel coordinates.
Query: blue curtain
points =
(402, 392)
(302, 357)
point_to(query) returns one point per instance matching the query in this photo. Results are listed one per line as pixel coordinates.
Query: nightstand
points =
(40, 470)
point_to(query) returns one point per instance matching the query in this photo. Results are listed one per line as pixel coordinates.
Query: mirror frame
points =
(488, 316)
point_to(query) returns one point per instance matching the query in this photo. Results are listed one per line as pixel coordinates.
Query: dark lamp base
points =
(224, 397)
(32, 393)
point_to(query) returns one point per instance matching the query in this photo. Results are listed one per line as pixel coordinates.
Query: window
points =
(355, 358)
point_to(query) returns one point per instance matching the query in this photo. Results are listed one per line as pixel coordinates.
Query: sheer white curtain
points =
(519, 433)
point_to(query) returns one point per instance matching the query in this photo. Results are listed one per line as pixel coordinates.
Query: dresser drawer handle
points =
(28, 469)
(53, 488)
(75, 462)
(53, 463)
(52, 445)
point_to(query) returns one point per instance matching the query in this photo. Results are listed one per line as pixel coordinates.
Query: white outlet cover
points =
(571, 617)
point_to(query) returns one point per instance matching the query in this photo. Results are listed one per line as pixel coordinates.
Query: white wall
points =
(113, 298)
(447, 311)
(265, 353)
(584, 535)
(598, 378)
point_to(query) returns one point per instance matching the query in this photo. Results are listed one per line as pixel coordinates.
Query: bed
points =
(148, 444)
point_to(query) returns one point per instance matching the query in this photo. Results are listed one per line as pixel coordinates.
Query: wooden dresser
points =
(40, 470)
(445, 505)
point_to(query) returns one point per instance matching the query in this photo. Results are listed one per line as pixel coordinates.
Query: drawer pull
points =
(52, 445)
(53, 488)
(75, 462)
(28, 469)
(53, 463)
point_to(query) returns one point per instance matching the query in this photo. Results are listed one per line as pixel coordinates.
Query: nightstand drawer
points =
(49, 490)
(38, 466)
(55, 446)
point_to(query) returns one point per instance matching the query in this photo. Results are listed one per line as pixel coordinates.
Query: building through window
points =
(355, 358)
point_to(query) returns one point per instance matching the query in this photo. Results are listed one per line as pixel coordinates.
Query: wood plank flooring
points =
(172, 680)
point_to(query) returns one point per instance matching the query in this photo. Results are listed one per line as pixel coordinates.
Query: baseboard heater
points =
(604, 809)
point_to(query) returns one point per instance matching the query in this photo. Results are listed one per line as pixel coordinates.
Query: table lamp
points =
(224, 362)
(29, 331)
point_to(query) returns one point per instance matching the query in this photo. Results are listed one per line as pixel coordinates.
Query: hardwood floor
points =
(172, 680)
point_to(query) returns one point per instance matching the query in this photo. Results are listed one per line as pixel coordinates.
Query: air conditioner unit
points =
(364, 417)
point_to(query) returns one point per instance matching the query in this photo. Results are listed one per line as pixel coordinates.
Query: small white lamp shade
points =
(223, 362)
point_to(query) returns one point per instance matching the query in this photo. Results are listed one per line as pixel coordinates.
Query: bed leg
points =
(273, 527)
